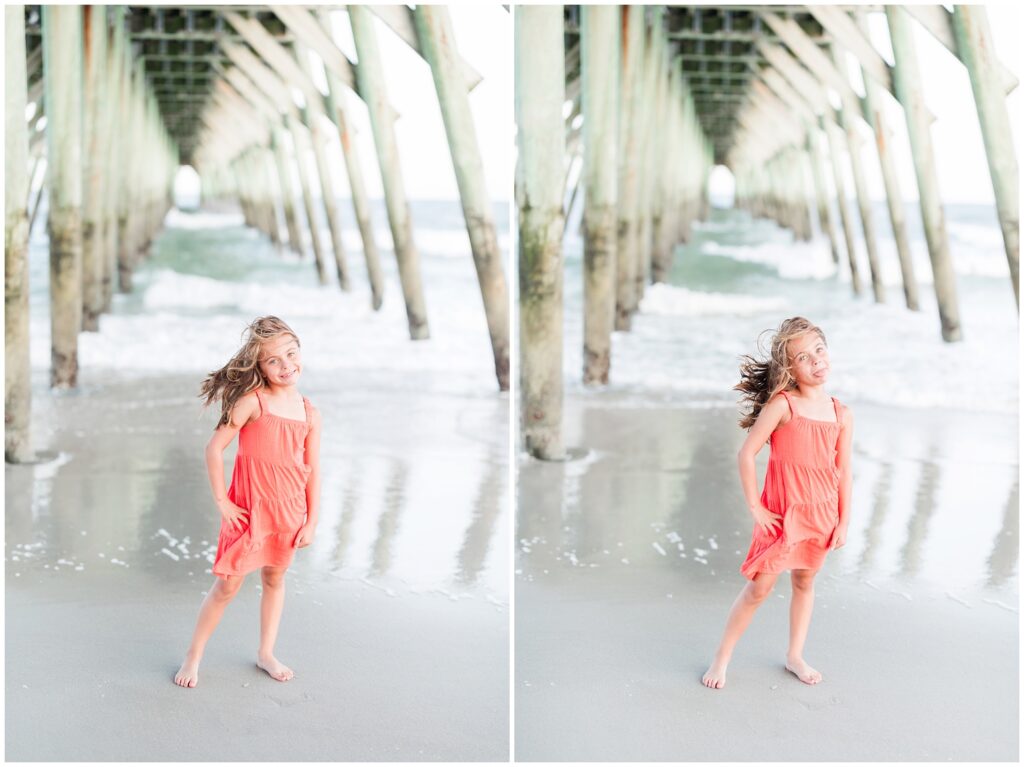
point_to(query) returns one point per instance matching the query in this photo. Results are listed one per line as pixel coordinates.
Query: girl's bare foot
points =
(714, 677)
(188, 674)
(275, 668)
(803, 671)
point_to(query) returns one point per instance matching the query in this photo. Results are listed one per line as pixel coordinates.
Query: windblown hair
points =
(762, 379)
(242, 373)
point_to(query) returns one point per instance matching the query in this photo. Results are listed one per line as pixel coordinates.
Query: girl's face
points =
(809, 362)
(281, 361)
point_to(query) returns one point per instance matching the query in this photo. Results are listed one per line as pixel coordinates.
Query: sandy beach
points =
(627, 562)
(396, 621)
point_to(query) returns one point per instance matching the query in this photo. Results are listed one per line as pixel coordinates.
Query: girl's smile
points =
(281, 361)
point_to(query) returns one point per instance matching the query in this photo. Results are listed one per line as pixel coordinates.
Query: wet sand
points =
(627, 563)
(396, 620)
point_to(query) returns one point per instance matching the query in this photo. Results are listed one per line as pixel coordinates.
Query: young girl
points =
(272, 505)
(804, 510)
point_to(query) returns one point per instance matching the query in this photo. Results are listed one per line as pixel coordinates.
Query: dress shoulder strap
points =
(308, 406)
(785, 394)
(838, 408)
(259, 398)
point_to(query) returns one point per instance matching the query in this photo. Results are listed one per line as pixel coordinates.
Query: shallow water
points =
(739, 276)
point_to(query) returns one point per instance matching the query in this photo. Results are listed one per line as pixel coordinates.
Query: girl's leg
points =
(271, 607)
(217, 598)
(799, 622)
(743, 609)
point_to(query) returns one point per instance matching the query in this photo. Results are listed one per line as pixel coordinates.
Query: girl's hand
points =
(234, 515)
(305, 535)
(766, 518)
(838, 537)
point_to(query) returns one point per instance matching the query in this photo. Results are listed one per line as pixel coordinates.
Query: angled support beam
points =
(360, 200)
(845, 31)
(437, 46)
(371, 82)
(874, 114)
(907, 79)
(939, 22)
(312, 117)
(400, 19)
(974, 41)
(853, 144)
(274, 54)
(306, 28)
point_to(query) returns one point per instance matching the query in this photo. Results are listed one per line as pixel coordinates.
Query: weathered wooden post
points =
(357, 188)
(668, 182)
(651, 98)
(540, 91)
(269, 174)
(824, 214)
(437, 43)
(126, 240)
(17, 370)
(660, 152)
(846, 115)
(599, 51)
(360, 199)
(629, 181)
(872, 108)
(907, 82)
(307, 196)
(975, 47)
(831, 130)
(62, 65)
(370, 76)
(94, 170)
(114, 89)
(311, 116)
(291, 220)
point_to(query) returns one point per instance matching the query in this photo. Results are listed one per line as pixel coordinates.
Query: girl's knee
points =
(273, 577)
(803, 580)
(758, 591)
(226, 588)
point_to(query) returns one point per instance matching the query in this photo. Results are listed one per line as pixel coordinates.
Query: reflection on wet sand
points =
(924, 510)
(486, 512)
(130, 491)
(1002, 562)
(387, 523)
(657, 487)
(349, 504)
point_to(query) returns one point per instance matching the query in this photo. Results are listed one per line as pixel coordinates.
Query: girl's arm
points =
(767, 421)
(243, 410)
(305, 536)
(845, 477)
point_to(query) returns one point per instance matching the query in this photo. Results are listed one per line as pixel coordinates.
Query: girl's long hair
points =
(242, 373)
(762, 379)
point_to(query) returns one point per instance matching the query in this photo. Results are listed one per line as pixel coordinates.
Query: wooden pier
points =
(129, 94)
(765, 91)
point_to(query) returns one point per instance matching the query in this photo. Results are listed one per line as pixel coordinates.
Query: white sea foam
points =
(190, 319)
(674, 301)
(687, 338)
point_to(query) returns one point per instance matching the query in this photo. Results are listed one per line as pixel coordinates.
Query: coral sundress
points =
(269, 480)
(801, 484)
